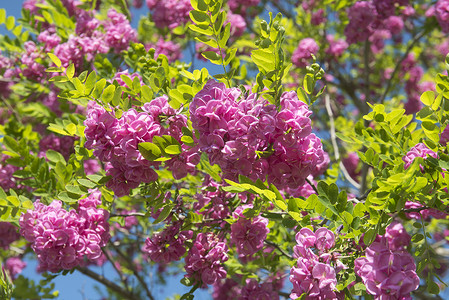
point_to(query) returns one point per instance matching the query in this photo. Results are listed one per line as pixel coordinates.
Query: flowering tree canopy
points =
(312, 165)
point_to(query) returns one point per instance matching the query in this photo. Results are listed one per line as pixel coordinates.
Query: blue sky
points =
(78, 286)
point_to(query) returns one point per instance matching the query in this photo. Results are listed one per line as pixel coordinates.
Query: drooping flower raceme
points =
(8, 234)
(169, 13)
(252, 138)
(116, 141)
(119, 32)
(315, 272)
(387, 270)
(168, 245)
(62, 238)
(302, 55)
(248, 234)
(442, 14)
(204, 262)
(14, 266)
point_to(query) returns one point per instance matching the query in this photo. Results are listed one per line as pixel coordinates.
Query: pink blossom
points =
(204, 261)
(14, 266)
(248, 234)
(8, 234)
(62, 238)
(170, 13)
(442, 14)
(119, 32)
(302, 55)
(168, 245)
(386, 271)
(361, 16)
(419, 150)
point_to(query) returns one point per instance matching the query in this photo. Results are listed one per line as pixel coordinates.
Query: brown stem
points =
(396, 68)
(106, 282)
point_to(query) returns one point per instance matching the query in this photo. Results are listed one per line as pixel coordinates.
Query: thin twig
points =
(279, 248)
(334, 142)
(133, 268)
(120, 273)
(396, 68)
(312, 185)
(106, 282)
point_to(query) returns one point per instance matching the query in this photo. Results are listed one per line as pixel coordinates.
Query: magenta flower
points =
(419, 150)
(205, 258)
(248, 234)
(62, 238)
(168, 245)
(442, 14)
(387, 273)
(302, 55)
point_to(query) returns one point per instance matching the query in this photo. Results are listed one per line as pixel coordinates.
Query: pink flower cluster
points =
(248, 234)
(7, 180)
(251, 290)
(252, 138)
(14, 266)
(241, 6)
(170, 13)
(336, 47)
(8, 234)
(168, 245)
(444, 137)
(213, 203)
(256, 291)
(419, 150)
(376, 21)
(315, 272)
(302, 55)
(204, 262)
(32, 68)
(388, 270)
(115, 141)
(168, 48)
(119, 32)
(62, 238)
(442, 14)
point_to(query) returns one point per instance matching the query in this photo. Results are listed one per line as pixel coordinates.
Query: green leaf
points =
(150, 151)
(427, 98)
(199, 5)
(199, 17)
(202, 29)
(54, 156)
(55, 59)
(90, 82)
(164, 214)
(87, 183)
(147, 94)
(264, 59)
(10, 22)
(212, 56)
(127, 80)
(70, 71)
(2, 16)
(108, 93)
(225, 36)
(173, 149)
(309, 83)
(13, 200)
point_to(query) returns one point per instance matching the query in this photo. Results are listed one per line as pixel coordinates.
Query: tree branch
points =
(396, 68)
(279, 248)
(133, 268)
(334, 143)
(106, 282)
